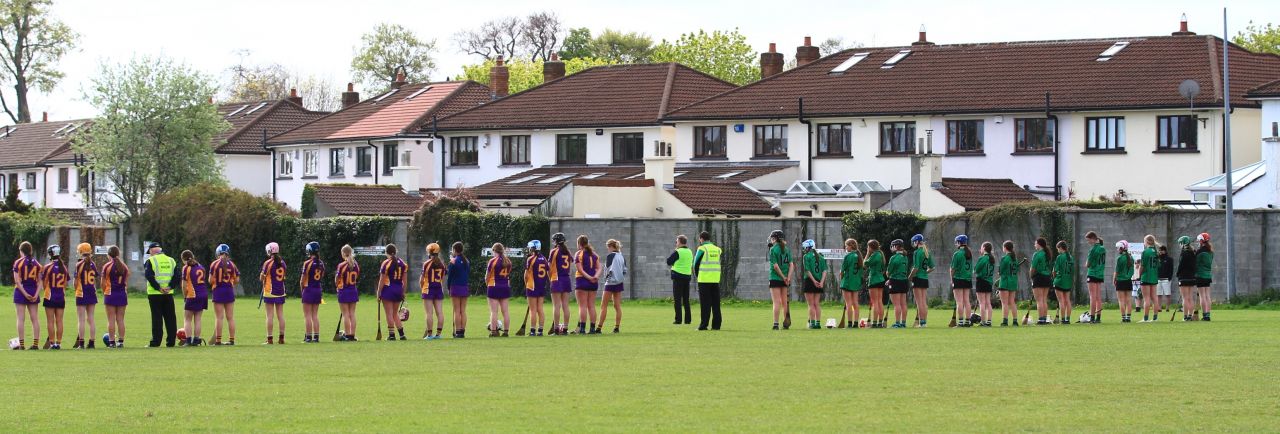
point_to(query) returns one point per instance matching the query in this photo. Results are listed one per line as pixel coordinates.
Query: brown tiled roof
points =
(247, 125)
(402, 112)
(978, 194)
(1269, 89)
(370, 200)
(507, 188)
(603, 96)
(719, 197)
(998, 77)
(28, 145)
(613, 183)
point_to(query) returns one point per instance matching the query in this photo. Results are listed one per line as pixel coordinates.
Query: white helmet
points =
(807, 244)
(1122, 245)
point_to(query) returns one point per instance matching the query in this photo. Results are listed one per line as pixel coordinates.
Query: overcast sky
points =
(318, 37)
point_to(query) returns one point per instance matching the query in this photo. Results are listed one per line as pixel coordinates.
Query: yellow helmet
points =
(433, 249)
(84, 248)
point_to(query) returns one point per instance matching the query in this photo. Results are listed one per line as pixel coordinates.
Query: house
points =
(347, 200)
(246, 163)
(36, 161)
(365, 140)
(1256, 185)
(1063, 119)
(606, 115)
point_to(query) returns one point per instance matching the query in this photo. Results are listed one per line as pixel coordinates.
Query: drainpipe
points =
(273, 165)
(44, 194)
(375, 168)
(435, 134)
(808, 137)
(1057, 187)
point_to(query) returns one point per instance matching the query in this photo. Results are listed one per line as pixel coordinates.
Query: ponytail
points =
(349, 255)
(967, 254)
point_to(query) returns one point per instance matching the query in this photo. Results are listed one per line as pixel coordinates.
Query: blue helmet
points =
(807, 244)
(313, 248)
(223, 249)
(917, 238)
(535, 245)
(962, 239)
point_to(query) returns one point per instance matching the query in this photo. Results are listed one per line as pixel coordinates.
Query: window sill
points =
(1016, 153)
(1106, 152)
(893, 155)
(63, 190)
(965, 154)
(516, 166)
(832, 157)
(464, 166)
(570, 163)
(337, 176)
(284, 178)
(771, 157)
(720, 158)
(1176, 151)
(364, 175)
(310, 177)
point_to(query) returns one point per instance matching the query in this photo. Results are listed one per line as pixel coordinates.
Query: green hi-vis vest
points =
(684, 261)
(163, 266)
(709, 268)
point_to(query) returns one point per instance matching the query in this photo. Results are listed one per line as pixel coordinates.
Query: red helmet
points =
(1203, 237)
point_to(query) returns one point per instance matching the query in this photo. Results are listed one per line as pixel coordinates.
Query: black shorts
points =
(961, 284)
(1124, 286)
(1094, 280)
(1190, 281)
(1203, 283)
(899, 286)
(1061, 289)
(777, 284)
(810, 288)
(54, 304)
(876, 285)
(919, 283)
(1041, 281)
(983, 286)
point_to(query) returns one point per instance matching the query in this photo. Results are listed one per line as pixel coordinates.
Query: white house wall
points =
(289, 188)
(251, 173)
(72, 198)
(542, 152)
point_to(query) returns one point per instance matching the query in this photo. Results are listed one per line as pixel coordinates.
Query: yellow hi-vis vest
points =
(684, 261)
(163, 266)
(709, 268)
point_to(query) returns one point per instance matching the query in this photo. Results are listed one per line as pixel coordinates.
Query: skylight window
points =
(677, 174)
(811, 187)
(237, 110)
(593, 175)
(419, 92)
(857, 57)
(634, 176)
(1111, 52)
(71, 127)
(895, 59)
(558, 178)
(524, 179)
(385, 95)
(260, 105)
(730, 174)
(8, 131)
(59, 130)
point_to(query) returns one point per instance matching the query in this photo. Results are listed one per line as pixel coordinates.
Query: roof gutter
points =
(808, 138)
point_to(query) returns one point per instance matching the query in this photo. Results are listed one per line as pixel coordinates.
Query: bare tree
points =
(246, 81)
(500, 37)
(540, 34)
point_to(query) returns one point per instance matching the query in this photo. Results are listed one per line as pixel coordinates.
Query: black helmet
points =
(558, 237)
(776, 234)
(896, 243)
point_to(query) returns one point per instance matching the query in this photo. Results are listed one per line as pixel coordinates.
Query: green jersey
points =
(779, 257)
(1040, 263)
(1064, 270)
(814, 264)
(1204, 264)
(875, 268)
(1097, 261)
(960, 266)
(1008, 273)
(898, 267)
(985, 268)
(1124, 267)
(922, 262)
(1150, 266)
(851, 273)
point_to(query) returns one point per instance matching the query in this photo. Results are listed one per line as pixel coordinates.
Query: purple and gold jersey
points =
(28, 271)
(86, 278)
(432, 276)
(273, 271)
(347, 276)
(590, 264)
(393, 273)
(55, 279)
(562, 261)
(117, 278)
(536, 273)
(195, 281)
(312, 273)
(223, 274)
(499, 272)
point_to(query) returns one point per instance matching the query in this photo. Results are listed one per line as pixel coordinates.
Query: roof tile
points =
(978, 194)
(370, 200)
(404, 111)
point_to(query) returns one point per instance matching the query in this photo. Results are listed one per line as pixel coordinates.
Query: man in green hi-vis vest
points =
(160, 270)
(707, 264)
(681, 262)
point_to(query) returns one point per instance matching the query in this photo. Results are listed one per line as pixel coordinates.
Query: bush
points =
(883, 226)
(15, 228)
(425, 220)
(478, 230)
(308, 201)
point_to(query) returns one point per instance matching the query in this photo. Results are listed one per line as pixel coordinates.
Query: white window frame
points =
(310, 162)
(285, 163)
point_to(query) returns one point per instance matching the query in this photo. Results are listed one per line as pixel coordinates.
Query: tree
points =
(835, 45)
(493, 39)
(272, 81)
(31, 44)
(725, 55)
(524, 74)
(1259, 39)
(577, 44)
(153, 134)
(622, 47)
(541, 34)
(392, 48)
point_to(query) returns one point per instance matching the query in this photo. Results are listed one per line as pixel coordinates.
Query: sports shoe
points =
(504, 334)
(595, 331)
(615, 329)
(775, 326)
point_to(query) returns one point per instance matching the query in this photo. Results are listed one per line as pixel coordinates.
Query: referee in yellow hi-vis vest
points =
(159, 271)
(706, 264)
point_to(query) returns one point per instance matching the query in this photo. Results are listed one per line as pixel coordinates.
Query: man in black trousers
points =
(160, 270)
(707, 265)
(681, 263)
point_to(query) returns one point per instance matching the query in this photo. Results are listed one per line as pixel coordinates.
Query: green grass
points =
(655, 376)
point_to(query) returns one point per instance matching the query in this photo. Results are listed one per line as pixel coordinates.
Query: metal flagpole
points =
(1226, 154)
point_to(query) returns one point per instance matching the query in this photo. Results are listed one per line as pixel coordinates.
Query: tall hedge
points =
(883, 226)
(477, 230)
(16, 228)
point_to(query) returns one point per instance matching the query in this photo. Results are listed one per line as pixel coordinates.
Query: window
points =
(286, 163)
(515, 150)
(805, 213)
(31, 181)
(364, 161)
(389, 156)
(310, 162)
(771, 141)
(63, 174)
(337, 164)
(1035, 134)
(1200, 197)
(1104, 134)
(833, 139)
(571, 149)
(462, 151)
(708, 142)
(852, 60)
(897, 137)
(895, 59)
(964, 137)
(1175, 133)
(82, 181)
(628, 148)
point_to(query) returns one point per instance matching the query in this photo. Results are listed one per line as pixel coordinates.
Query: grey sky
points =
(318, 37)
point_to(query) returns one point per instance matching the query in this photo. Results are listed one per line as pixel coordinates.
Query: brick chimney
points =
(294, 98)
(44, 116)
(807, 53)
(498, 78)
(1182, 28)
(350, 97)
(400, 81)
(923, 40)
(552, 69)
(771, 62)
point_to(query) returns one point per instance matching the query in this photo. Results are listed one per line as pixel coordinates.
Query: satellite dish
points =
(1189, 89)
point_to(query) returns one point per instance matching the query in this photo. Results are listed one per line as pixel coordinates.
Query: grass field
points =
(655, 376)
